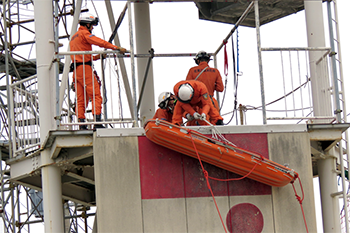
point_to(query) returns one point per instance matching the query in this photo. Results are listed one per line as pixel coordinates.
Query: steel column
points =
(322, 107)
(51, 175)
(143, 45)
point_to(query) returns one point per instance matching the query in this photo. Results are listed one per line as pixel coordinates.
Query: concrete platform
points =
(139, 186)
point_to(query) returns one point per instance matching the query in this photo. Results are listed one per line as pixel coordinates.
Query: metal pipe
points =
(13, 207)
(10, 120)
(120, 58)
(145, 79)
(243, 16)
(2, 185)
(262, 88)
(32, 41)
(56, 67)
(51, 175)
(338, 113)
(334, 65)
(322, 107)
(64, 80)
(143, 45)
(104, 94)
(135, 116)
(216, 66)
(297, 49)
(342, 79)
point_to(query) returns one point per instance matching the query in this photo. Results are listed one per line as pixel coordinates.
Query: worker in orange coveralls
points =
(83, 75)
(166, 105)
(209, 76)
(190, 95)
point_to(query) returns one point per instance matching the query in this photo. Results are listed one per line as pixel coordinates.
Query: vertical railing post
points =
(262, 88)
(132, 58)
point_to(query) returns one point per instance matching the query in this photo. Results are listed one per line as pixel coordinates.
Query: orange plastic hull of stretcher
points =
(217, 153)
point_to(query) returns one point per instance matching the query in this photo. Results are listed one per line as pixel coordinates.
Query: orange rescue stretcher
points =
(218, 153)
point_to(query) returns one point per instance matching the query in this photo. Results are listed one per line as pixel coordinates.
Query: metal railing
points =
(25, 116)
(287, 71)
(106, 73)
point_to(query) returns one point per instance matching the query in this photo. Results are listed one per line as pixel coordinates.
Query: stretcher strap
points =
(217, 135)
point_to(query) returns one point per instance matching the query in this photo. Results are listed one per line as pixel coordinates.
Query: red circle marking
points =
(245, 218)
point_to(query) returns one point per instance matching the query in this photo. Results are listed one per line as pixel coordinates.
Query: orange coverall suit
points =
(83, 74)
(163, 114)
(210, 77)
(200, 98)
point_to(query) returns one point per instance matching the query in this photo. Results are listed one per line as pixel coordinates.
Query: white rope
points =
(217, 135)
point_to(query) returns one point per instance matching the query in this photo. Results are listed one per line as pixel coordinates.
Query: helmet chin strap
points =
(89, 27)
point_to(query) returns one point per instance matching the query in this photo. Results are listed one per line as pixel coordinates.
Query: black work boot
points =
(219, 122)
(82, 127)
(98, 126)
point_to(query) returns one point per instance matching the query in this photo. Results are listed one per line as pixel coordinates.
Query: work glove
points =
(72, 86)
(100, 56)
(197, 116)
(122, 50)
(189, 117)
(203, 116)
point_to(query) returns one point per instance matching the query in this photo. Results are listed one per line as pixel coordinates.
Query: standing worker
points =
(86, 82)
(193, 100)
(209, 76)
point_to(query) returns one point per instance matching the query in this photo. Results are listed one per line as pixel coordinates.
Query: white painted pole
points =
(51, 176)
(132, 61)
(316, 38)
(261, 73)
(322, 107)
(328, 185)
(143, 45)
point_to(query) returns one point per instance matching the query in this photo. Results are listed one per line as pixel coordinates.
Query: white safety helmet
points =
(185, 93)
(201, 55)
(163, 99)
(88, 18)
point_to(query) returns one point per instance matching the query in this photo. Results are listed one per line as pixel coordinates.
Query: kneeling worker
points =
(166, 104)
(192, 94)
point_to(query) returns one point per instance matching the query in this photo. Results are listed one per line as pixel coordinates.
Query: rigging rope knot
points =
(299, 199)
(205, 172)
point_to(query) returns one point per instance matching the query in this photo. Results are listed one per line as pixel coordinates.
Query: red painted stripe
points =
(168, 174)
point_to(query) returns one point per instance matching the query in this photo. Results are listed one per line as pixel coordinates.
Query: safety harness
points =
(72, 67)
(211, 97)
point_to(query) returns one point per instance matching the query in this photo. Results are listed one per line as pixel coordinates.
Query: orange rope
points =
(300, 200)
(207, 177)
(209, 187)
(233, 179)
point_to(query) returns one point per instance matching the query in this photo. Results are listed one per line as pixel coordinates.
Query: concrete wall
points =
(294, 149)
(117, 180)
(144, 187)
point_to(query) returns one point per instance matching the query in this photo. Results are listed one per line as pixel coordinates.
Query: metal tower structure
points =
(23, 139)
